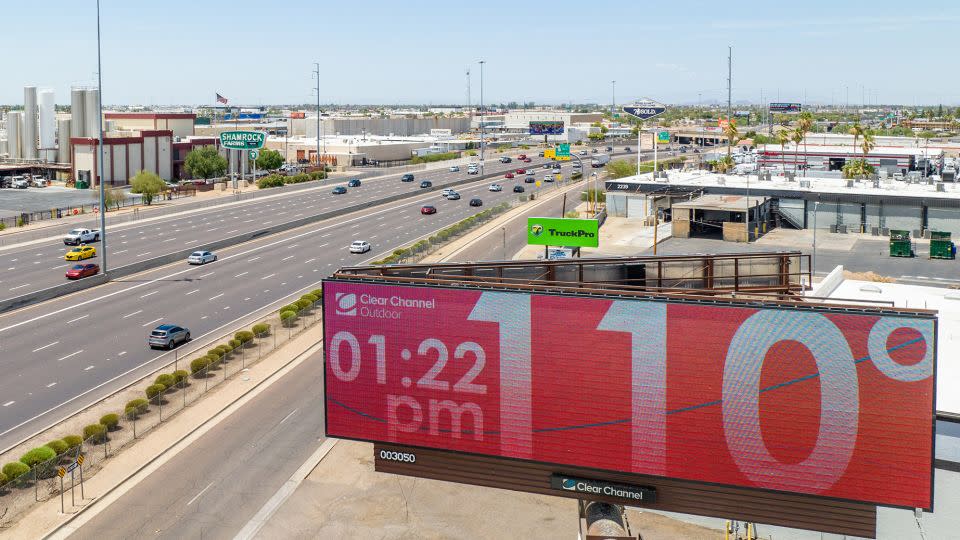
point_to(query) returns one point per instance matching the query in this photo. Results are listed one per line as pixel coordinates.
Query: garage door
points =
(944, 219)
(635, 207)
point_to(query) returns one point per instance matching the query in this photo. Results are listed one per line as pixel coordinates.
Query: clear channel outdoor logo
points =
(569, 484)
(347, 304)
(536, 230)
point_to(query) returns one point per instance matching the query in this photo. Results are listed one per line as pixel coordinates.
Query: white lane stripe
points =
(207, 274)
(151, 322)
(308, 261)
(51, 385)
(241, 274)
(217, 296)
(253, 258)
(197, 496)
(19, 286)
(191, 292)
(268, 277)
(69, 355)
(78, 318)
(148, 294)
(9, 403)
(48, 345)
(132, 314)
(286, 258)
(88, 368)
(285, 418)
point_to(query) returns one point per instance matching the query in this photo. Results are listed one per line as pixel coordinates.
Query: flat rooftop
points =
(886, 151)
(724, 203)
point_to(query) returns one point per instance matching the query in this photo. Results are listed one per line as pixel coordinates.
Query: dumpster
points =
(940, 245)
(81, 184)
(900, 245)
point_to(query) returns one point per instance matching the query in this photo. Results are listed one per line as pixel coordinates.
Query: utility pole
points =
(482, 127)
(613, 98)
(316, 74)
(103, 207)
(469, 111)
(729, 94)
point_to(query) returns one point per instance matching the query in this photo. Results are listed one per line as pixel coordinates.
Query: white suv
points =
(495, 187)
(359, 246)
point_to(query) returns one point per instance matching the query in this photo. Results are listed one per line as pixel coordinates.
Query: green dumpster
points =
(940, 245)
(81, 184)
(900, 245)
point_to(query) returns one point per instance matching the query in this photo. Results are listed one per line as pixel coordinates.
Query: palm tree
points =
(783, 137)
(867, 145)
(730, 130)
(796, 136)
(804, 125)
(857, 131)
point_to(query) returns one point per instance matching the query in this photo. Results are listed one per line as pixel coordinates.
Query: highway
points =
(61, 355)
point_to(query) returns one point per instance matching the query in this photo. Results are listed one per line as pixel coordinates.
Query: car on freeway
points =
(473, 168)
(80, 253)
(530, 172)
(547, 166)
(529, 179)
(168, 336)
(201, 257)
(508, 176)
(594, 151)
(609, 149)
(582, 152)
(522, 157)
(355, 182)
(521, 171)
(626, 149)
(78, 271)
(495, 187)
(518, 189)
(476, 202)
(453, 196)
(359, 246)
(548, 178)
(454, 168)
(339, 190)
(506, 159)
(539, 154)
(428, 209)
(426, 184)
(81, 236)
(526, 160)
(406, 178)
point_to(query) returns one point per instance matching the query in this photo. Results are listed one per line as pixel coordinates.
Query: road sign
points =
(550, 153)
(242, 140)
(80, 459)
(72, 466)
(786, 107)
(61, 472)
(254, 154)
(645, 109)
(663, 137)
(563, 152)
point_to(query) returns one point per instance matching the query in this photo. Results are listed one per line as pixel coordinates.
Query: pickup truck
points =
(81, 236)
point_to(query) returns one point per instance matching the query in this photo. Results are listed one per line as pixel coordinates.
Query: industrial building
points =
(352, 151)
(390, 126)
(889, 159)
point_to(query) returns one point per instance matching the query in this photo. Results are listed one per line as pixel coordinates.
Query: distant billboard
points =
(546, 127)
(785, 107)
(298, 114)
(811, 401)
(545, 231)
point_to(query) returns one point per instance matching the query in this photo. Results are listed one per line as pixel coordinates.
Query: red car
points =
(521, 171)
(78, 271)
(427, 209)
(522, 157)
(508, 176)
(526, 160)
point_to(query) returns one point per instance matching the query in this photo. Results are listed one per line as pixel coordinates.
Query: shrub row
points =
(444, 235)
(443, 156)
(290, 312)
(37, 456)
(277, 180)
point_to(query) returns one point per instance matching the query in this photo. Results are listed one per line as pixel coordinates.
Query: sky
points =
(418, 52)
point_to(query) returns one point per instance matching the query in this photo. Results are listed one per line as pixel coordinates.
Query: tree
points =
(783, 137)
(112, 197)
(867, 144)
(269, 160)
(148, 185)
(857, 131)
(621, 168)
(205, 162)
(804, 125)
(796, 136)
(733, 136)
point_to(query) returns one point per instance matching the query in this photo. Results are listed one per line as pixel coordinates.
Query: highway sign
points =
(663, 137)
(563, 152)
(242, 140)
(72, 466)
(61, 472)
(786, 107)
(80, 459)
(645, 109)
(550, 153)
(254, 154)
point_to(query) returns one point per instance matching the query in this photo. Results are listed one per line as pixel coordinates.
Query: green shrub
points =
(313, 299)
(212, 360)
(140, 405)
(154, 390)
(14, 470)
(58, 446)
(245, 336)
(317, 292)
(199, 364)
(271, 181)
(289, 307)
(179, 376)
(131, 413)
(260, 329)
(216, 351)
(3, 477)
(110, 421)
(165, 379)
(288, 318)
(37, 456)
(303, 304)
(2, 225)
(95, 433)
(225, 349)
(74, 441)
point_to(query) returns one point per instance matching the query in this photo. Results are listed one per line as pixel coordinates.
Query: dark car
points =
(339, 190)
(518, 189)
(168, 336)
(529, 180)
(78, 271)
(609, 149)
(594, 151)
(406, 178)
(353, 183)
(506, 159)
(476, 202)
(626, 149)
(539, 154)
(426, 184)
(428, 209)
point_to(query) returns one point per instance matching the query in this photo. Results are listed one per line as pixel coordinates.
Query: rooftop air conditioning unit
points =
(940, 186)
(849, 183)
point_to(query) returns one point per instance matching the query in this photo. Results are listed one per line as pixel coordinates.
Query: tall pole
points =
(613, 98)
(316, 74)
(103, 206)
(482, 127)
(469, 112)
(729, 92)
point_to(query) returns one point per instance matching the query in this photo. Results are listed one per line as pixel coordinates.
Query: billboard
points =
(785, 107)
(545, 127)
(544, 231)
(811, 401)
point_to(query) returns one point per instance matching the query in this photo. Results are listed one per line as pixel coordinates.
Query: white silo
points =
(3, 147)
(78, 122)
(14, 121)
(91, 112)
(28, 137)
(48, 125)
(64, 131)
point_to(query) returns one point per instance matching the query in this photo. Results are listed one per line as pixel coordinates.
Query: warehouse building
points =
(888, 159)
(180, 124)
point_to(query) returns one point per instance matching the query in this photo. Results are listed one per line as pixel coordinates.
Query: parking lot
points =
(15, 201)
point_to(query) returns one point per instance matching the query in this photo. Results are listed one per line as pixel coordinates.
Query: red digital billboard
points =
(804, 400)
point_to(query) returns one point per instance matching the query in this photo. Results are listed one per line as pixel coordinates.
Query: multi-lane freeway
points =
(63, 354)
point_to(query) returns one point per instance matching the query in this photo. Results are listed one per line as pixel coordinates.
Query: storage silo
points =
(3, 147)
(28, 137)
(48, 125)
(78, 123)
(91, 112)
(64, 131)
(14, 121)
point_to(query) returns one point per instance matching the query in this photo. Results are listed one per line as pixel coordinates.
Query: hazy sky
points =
(259, 52)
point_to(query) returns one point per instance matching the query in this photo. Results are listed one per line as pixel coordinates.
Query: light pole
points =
(482, 62)
(816, 206)
(504, 230)
(316, 74)
(613, 98)
(103, 208)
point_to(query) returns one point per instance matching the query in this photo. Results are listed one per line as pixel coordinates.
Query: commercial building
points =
(180, 124)
(889, 159)
(123, 157)
(390, 126)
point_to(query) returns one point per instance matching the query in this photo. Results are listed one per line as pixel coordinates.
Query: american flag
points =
(221, 99)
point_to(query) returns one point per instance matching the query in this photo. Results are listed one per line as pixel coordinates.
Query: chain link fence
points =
(25, 218)
(29, 473)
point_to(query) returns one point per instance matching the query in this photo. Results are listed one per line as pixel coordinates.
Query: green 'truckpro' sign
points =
(563, 232)
(242, 140)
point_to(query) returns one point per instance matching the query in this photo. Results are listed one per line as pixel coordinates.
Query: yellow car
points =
(80, 253)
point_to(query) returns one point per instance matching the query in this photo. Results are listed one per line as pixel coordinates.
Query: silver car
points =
(201, 257)
(168, 336)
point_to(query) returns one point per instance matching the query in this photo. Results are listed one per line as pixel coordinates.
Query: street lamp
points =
(103, 206)
(504, 230)
(813, 272)
(482, 62)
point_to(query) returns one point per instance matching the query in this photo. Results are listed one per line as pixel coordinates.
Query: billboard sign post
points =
(242, 140)
(543, 231)
(786, 107)
(546, 127)
(645, 110)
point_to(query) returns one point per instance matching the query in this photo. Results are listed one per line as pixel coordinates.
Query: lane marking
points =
(88, 368)
(149, 294)
(78, 318)
(69, 355)
(207, 274)
(268, 277)
(191, 292)
(9, 403)
(197, 496)
(215, 297)
(51, 385)
(19, 286)
(132, 314)
(144, 254)
(48, 345)
(151, 322)
(241, 274)
(121, 353)
(308, 261)
(253, 258)
(286, 258)
(285, 418)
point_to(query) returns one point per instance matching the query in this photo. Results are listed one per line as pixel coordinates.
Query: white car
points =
(531, 173)
(359, 246)
(454, 168)
(201, 257)
(495, 187)
(447, 191)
